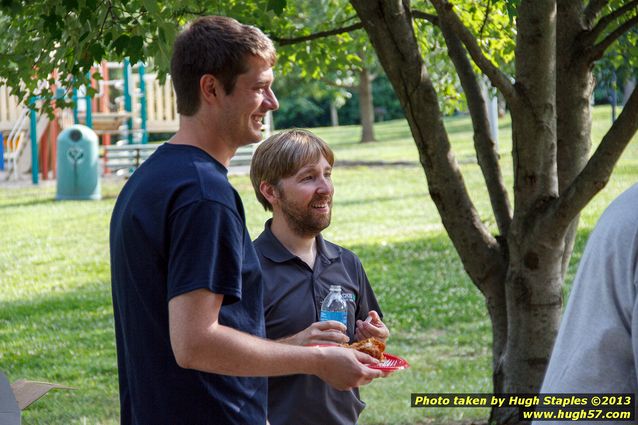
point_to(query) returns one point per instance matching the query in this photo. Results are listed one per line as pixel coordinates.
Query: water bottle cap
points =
(335, 288)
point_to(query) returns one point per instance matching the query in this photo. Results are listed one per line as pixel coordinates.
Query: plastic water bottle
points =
(334, 307)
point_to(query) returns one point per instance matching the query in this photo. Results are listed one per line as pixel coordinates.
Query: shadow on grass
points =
(356, 163)
(31, 203)
(421, 283)
(437, 316)
(421, 195)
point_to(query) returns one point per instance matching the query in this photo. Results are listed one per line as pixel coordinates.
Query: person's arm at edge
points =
(200, 342)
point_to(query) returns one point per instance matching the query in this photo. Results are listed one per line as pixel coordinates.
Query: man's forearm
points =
(227, 351)
(200, 342)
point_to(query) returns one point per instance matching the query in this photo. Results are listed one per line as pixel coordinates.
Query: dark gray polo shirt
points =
(293, 293)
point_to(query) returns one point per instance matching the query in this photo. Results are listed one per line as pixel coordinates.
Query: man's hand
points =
(328, 332)
(346, 369)
(372, 327)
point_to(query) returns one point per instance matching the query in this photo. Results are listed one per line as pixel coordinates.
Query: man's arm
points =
(200, 342)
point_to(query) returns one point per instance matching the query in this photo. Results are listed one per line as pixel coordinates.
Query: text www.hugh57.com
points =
(541, 407)
(576, 415)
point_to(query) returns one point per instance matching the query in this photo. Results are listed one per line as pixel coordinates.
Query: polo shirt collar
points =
(275, 251)
(328, 250)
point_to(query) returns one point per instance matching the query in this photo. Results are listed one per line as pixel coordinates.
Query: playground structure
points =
(128, 106)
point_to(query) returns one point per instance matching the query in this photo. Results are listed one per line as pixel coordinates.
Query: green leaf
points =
(70, 4)
(84, 36)
(121, 43)
(135, 48)
(512, 8)
(152, 7)
(276, 6)
(167, 33)
(97, 52)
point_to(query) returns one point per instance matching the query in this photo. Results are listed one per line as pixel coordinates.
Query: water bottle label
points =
(338, 316)
(348, 296)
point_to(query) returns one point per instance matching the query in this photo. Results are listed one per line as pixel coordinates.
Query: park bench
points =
(126, 158)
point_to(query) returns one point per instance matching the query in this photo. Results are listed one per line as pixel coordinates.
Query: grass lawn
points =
(55, 304)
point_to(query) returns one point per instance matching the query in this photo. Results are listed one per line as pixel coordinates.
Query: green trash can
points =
(78, 165)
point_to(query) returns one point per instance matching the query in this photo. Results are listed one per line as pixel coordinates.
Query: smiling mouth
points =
(320, 206)
(259, 120)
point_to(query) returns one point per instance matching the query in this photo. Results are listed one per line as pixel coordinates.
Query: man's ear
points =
(209, 88)
(269, 192)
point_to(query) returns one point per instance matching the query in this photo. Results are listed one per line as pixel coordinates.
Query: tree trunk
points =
(534, 278)
(366, 106)
(334, 116)
(523, 298)
(521, 271)
(534, 298)
(574, 87)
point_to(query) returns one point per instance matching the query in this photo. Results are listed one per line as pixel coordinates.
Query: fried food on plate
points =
(371, 346)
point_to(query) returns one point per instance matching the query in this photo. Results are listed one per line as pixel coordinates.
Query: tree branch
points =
(487, 13)
(593, 9)
(599, 49)
(483, 142)
(391, 31)
(433, 19)
(604, 22)
(288, 41)
(181, 12)
(498, 79)
(106, 16)
(596, 173)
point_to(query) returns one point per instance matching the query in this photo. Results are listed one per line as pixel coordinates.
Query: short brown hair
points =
(215, 45)
(282, 155)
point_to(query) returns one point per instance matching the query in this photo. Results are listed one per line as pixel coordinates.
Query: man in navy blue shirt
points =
(291, 173)
(187, 285)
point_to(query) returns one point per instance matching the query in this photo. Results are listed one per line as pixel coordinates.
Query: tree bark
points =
(574, 87)
(366, 106)
(534, 278)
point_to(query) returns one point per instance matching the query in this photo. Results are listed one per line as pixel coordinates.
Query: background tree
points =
(387, 106)
(539, 54)
(359, 79)
(616, 75)
(357, 72)
(306, 103)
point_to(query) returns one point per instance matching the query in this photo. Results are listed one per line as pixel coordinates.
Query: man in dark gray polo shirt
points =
(291, 175)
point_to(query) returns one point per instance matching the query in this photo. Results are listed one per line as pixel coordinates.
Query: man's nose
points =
(324, 185)
(271, 100)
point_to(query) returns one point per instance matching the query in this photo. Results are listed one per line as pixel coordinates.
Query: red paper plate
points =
(391, 363)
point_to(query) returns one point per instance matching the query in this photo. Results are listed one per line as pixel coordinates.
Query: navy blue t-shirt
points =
(178, 225)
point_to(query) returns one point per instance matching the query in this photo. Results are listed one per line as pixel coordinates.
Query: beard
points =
(303, 220)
